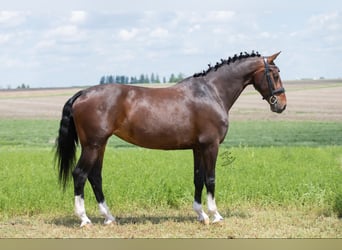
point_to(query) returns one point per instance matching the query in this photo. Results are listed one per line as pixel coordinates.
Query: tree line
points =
(143, 78)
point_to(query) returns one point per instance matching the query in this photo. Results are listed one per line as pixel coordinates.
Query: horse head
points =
(266, 80)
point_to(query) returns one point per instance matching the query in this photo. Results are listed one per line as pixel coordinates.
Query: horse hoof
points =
(217, 221)
(206, 221)
(86, 225)
(109, 222)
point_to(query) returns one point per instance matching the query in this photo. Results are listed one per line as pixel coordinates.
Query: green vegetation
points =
(42, 133)
(267, 164)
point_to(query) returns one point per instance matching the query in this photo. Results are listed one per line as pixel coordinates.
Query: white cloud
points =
(78, 17)
(66, 33)
(330, 21)
(46, 44)
(219, 16)
(127, 35)
(171, 40)
(159, 33)
(191, 50)
(12, 18)
(4, 38)
(194, 28)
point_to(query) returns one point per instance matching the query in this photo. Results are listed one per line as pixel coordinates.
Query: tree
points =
(147, 80)
(23, 86)
(103, 80)
(142, 78)
(180, 77)
(173, 78)
(110, 79)
(157, 79)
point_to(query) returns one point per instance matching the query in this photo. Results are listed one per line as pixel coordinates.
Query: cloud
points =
(159, 33)
(12, 18)
(330, 21)
(126, 35)
(4, 38)
(142, 34)
(78, 17)
(170, 41)
(66, 33)
(219, 16)
(46, 44)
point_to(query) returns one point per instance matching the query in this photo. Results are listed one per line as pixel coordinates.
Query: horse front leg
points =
(210, 156)
(212, 208)
(199, 176)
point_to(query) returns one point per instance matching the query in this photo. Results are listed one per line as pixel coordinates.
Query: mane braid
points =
(227, 61)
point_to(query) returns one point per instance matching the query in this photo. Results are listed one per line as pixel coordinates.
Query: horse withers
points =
(192, 114)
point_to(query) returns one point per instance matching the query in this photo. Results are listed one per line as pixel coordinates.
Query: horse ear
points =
(271, 58)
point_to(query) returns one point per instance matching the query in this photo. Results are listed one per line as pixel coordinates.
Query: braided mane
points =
(227, 61)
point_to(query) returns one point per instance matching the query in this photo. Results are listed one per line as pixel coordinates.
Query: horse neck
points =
(230, 80)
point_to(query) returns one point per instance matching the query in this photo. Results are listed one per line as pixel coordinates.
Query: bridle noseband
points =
(272, 99)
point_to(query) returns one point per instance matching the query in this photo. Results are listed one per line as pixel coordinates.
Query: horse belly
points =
(157, 133)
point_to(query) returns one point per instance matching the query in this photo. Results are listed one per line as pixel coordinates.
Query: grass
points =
(42, 133)
(138, 178)
(298, 174)
(284, 133)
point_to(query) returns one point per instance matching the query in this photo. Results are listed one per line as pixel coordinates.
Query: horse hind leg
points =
(80, 177)
(95, 180)
(89, 167)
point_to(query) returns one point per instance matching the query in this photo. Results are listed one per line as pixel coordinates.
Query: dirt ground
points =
(241, 223)
(319, 100)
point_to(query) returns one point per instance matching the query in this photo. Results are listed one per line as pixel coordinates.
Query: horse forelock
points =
(228, 61)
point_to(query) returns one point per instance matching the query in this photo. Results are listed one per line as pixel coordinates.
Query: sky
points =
(73, 43)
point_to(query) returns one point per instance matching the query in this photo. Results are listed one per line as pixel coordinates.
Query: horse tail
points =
(66, 142)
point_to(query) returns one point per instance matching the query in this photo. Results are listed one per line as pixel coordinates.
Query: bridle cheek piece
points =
(272, 98)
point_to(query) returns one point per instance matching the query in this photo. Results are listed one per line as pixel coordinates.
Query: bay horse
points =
(192, 114)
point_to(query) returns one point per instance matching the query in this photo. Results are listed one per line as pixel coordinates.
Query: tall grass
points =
(136, 178)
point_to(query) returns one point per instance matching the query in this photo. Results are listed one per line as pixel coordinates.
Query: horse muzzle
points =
(277, 104)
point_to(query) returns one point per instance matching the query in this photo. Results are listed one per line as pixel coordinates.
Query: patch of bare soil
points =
(241, 223)
(306, 100)
(34, 104)
(314, 100)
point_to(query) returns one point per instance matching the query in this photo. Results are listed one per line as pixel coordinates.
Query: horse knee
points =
(210, 182)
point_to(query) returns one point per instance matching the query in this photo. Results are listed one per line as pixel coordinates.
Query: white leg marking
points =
(104, 210)
(202, 216)
(80, 210)
(213, 209)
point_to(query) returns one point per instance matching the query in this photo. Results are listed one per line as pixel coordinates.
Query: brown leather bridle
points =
(271, 98)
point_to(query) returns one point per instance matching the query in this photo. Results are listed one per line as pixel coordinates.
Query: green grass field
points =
(261, 164)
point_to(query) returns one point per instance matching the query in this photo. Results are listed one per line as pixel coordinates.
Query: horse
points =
(192, 114)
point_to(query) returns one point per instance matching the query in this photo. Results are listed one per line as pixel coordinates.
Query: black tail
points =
(66, 142)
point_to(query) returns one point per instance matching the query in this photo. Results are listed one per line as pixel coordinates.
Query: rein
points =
(272, 99)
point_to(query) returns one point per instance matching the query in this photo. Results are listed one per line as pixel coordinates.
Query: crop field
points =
(278, 176)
